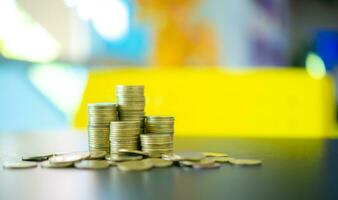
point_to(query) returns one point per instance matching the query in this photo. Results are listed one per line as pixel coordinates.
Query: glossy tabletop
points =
(292, 169)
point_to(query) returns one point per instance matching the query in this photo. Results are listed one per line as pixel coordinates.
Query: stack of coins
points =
(131, 102)
(124, 135)
(159, 125)
(158, 137)
(99, 117)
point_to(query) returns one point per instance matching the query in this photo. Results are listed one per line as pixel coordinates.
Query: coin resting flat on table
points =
(192, 156)
(65, 159)
(47, 164)
(37, 157)
(158, 162)
(120, 158)
(135, 166)
(245, 162)
(19, 165)
(204, 161)
(214, 154)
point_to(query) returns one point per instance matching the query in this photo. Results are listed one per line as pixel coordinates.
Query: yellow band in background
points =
(215, 102)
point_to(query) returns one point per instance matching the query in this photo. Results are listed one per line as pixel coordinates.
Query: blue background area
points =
(22, 106)
(326, 46)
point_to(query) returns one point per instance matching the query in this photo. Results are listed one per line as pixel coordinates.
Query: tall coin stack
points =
(131, 102)
(124, 135)
(99, 117)
(158, 137)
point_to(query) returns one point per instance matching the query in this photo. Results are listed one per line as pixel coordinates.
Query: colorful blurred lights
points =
(110, 18)
(315, 66)
(62, 84)
(22, 38)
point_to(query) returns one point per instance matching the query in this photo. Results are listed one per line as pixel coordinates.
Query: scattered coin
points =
(36, 158)
(65, 158)
(204, 161)
(95, 155)
(245, 162)
(192, 156)
(19, 165)
(92, 164)
(83, 154)
(47, 164)
(214, 154)
(158, 162)
(222, 159)
(121, 158)
(135, 166)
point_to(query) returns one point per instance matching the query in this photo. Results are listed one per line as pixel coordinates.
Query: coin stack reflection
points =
(99, 117)
(131, 102)
(158, 137)
(124, 135)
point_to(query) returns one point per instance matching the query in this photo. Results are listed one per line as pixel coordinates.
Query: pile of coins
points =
(99, 117)
(131, 102)
(124, 135)
(158, 137)
(129, 160)
(159, 125)
(117, 143)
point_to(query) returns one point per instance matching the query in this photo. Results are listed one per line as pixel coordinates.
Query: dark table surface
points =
(292, 169)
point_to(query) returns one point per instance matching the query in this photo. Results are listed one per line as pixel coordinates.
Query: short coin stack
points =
(99, 117)
(158, 138)
(131, 102)
(124, 135)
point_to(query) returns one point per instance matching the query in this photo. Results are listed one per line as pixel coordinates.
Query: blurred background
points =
(48, 48)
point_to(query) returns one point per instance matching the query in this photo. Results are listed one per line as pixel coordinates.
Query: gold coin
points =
(203, 161)
(92, 164)
(222, 159)
(97, 155)
(159, 132)
(47, 164)
(129, 87)
(125, 123)
(130, 151)
(65, 158)
(102, 105)
(120, 158)
(37, 158)
(135, 166)
(158, 162)
(214, 154)
(245, 162)
(160, 118)
(170, 156)
(19, 165)
(83, 154)
(192, 156)
(156, 150)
